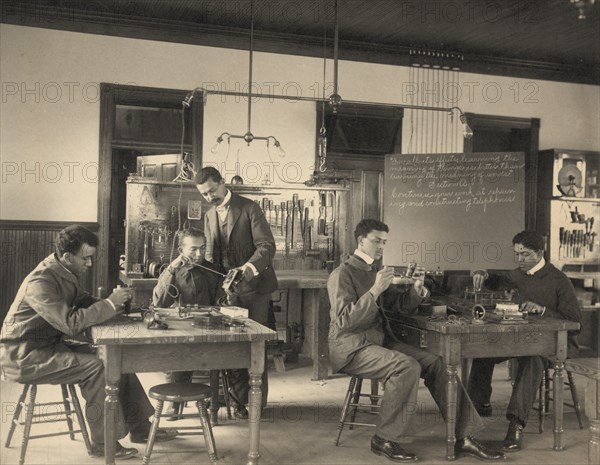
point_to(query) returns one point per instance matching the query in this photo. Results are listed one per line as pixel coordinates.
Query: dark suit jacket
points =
(250, 240)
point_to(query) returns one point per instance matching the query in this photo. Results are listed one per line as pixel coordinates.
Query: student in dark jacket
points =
(188, 280)
(544, 290)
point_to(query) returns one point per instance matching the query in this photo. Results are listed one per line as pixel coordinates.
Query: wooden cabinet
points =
(568, 206)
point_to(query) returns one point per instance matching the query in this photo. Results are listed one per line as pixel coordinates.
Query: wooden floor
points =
(299, 427)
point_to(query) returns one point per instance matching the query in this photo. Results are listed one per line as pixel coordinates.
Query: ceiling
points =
(521, 38)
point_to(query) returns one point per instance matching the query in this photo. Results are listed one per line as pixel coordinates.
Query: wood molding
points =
(107, 23)
(31, 225)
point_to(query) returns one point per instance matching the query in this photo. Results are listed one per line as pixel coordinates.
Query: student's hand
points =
(532, 308)
(120, 297)
(180, 261)
(382, 281)
(248, 273)
(418, 277)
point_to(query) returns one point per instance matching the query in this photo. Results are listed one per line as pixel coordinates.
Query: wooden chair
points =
(182, 392)
(544, 398)
(60, 414)
(352, 404)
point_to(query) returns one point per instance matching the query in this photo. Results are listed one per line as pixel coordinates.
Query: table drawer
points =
(409, 334)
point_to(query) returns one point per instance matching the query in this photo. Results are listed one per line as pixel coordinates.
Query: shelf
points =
(575, 199)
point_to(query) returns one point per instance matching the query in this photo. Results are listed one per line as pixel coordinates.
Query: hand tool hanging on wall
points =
(561, 239)
(322, 214)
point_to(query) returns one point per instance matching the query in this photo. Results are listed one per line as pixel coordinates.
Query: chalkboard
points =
(454, 211)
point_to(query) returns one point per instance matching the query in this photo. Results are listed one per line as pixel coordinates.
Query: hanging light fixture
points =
(322, 137)
(335, 100)
(467, 131)
(248, 137)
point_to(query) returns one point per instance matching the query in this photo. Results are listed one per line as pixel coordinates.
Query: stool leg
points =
(541, 405)
(80, 418)
(374, 393)
(15, 418)
(209, 439)
(226, 396)
(153, 429)
(355, 400)
(67, 405)
(342, 420)
(28, 421)
(575, 399)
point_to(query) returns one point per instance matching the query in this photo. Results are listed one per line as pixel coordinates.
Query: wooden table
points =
(590, 368)
(308, 303)
(458, 342)
(127, 346)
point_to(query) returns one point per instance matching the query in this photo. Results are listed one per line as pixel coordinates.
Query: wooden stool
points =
(59, 414)
(544, 398)
(352, 402)
(182, 392)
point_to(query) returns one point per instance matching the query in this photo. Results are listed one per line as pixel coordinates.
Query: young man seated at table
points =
(358, 289)
(544, 290)
(38, 342)
(188, 280)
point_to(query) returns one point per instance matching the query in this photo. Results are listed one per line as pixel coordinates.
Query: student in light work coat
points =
(358, 346)
(38, 342)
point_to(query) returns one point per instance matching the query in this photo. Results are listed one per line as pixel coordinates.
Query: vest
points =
(223, 242)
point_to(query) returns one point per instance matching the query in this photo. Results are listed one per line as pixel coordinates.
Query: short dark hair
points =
(530, 239)
(70, 239)
(366, 226)
(190, 232)
(207, 173)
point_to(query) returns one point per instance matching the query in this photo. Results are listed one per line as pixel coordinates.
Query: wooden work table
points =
(457, 338)
(126, 345)
(307, 304)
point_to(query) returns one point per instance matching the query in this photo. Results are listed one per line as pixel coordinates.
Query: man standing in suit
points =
(238, 236)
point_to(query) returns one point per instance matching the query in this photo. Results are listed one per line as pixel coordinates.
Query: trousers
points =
(135, 408)
(528, 378)
(400, 366)
(239, 379)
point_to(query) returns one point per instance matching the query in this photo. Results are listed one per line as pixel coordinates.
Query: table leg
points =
(111, 356)
(592, 411)
(451, 396)
(257, 367)
(557, 391)
(214, 397)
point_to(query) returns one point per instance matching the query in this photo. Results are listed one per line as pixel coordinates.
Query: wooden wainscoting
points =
(23, 244)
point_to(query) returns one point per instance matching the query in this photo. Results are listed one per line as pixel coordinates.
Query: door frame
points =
(112, 95)
(478, 121)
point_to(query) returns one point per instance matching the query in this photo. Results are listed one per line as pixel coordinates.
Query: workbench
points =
(307, 305)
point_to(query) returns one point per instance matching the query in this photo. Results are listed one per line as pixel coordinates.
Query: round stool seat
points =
(180, 392)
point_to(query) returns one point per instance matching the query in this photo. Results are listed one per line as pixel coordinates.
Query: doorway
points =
(136, 122)
(508, 134)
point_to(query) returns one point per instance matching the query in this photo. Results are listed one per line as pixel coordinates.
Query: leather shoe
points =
(484, 410)
(121, 452)
(470, 446)
(240, 412)
(392, 450)
(514, 437)
(162, 435)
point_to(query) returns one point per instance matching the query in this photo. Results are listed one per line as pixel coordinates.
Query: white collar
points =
(364, 256)
(538, 266)
(225, 203)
